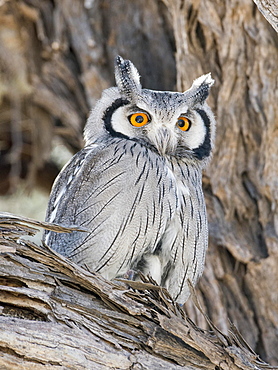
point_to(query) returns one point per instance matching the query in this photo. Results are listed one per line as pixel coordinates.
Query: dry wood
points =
(56, 56)
(269, 9)
(55, 314)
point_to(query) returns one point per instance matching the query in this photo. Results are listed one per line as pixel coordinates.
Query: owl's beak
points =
(163, 139)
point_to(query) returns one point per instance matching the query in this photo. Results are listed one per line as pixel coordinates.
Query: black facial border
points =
(204, 150)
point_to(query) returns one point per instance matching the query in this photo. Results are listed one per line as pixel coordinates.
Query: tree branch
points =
(54, 313)
(269, 9)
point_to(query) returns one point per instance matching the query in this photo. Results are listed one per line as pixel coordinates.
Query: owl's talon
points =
(129, 275)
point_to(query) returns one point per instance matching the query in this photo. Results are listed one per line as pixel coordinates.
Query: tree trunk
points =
(57, 56)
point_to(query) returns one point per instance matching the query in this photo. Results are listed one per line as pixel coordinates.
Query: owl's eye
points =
(139, 119)
(183, 123)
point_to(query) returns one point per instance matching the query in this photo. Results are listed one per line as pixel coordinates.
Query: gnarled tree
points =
(56, 58)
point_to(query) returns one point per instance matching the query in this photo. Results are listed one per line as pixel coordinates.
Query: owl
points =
(136, 186)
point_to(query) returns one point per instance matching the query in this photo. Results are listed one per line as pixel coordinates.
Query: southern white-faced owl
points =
(136, 187)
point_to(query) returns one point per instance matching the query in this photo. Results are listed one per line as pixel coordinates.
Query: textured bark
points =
(240, 49)
(57, 56)
(55, 314)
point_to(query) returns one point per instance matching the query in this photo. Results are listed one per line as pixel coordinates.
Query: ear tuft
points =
(127, 78)
(200, 88)
(204, 80)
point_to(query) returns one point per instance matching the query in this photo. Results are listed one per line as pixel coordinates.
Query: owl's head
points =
(170, 123)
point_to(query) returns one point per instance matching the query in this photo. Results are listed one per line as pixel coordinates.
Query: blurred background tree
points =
(56, 57)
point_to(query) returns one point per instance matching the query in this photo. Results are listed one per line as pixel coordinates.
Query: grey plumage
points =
(137, 184)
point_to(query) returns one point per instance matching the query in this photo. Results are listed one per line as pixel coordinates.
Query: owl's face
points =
(170, 123)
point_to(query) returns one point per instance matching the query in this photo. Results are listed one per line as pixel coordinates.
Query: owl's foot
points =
(130, 275)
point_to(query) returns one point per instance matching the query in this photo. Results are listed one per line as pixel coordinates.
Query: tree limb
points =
(54, 313)
(269, 9)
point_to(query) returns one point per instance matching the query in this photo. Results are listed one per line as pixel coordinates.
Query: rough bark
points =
(57, 56)
(238, 45)
(55, 314)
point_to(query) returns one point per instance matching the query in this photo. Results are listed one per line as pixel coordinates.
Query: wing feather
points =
(117, 194)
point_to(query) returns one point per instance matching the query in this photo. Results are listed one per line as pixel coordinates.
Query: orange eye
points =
(139, 119)
(183, 123)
